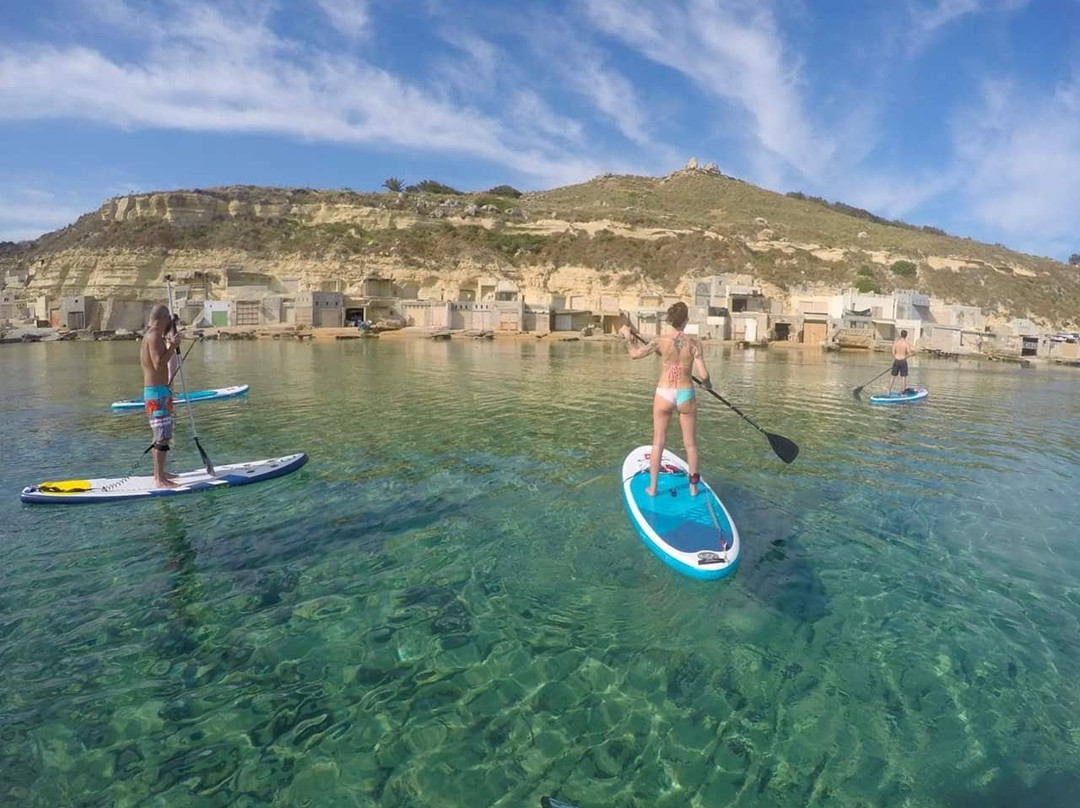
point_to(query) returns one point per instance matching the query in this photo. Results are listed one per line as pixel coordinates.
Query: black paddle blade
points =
(206, 458)
(787, 450)
(858, 390)
(551, 802)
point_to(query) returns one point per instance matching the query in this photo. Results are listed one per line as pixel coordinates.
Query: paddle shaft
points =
(859, 389)
(183, 386)
(716, 524)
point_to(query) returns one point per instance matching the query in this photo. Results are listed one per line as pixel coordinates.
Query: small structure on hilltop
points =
(693, 166)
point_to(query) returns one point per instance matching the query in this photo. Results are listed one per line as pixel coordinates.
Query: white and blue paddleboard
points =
(196, 397)
(78, 492)
(695, 535)
(908, 396)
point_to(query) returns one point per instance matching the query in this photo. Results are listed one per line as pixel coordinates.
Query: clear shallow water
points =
(449, 607)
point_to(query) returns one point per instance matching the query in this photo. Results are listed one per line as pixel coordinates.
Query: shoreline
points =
(32, 334)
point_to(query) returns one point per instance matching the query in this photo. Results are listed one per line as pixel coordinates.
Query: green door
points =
(219, 319)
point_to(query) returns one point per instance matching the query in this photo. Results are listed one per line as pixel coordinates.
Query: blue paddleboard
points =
(695, 535)
(909, 396)
(195, 397)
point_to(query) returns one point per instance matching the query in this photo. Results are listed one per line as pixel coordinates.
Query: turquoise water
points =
(448, 606)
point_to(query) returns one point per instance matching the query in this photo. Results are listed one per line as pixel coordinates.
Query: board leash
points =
(716, 524)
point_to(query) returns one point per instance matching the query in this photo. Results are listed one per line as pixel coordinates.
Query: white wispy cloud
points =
(352, 18)
(477, 68)
(926, 19)
(483, 72)
(206, 70)
(732, 51)
(485, 58)
(583, 68)
(26, 212)
(1020, 154)
(894, 194)
(531, 110)
(561, 57)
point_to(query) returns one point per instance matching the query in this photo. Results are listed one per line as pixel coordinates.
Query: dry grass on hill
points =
(696, 201)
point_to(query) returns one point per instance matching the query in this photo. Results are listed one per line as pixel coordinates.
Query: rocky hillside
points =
(611, 234)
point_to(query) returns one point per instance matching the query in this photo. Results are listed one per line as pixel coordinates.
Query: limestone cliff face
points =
(619, 236)
(186, 209)
(140, 275)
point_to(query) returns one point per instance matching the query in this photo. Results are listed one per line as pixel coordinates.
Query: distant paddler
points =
(901, 350)
(682, 356)
(160, 348)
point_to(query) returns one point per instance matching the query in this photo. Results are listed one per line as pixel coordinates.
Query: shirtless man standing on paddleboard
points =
(159, 345)
(901, 350)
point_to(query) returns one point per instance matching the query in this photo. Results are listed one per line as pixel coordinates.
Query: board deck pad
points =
(196, 397)
(683, 530)
(909, 396)
(126, 488)
(680, 520)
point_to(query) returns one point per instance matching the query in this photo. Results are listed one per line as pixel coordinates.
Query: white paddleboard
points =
(75, 492)
(694, 535)
(909, 396)
(196, 397)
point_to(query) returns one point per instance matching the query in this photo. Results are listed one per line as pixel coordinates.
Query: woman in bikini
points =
(681, 355)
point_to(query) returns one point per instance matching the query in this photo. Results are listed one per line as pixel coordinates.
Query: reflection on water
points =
(448, 606)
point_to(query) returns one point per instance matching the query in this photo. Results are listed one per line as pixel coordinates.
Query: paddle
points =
(183, 386)
(858, 390)
(786, 449)
(551, 802)
(183, 358)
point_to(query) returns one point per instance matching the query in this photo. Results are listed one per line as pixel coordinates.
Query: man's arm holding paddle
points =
(161, 349)
(173, 349)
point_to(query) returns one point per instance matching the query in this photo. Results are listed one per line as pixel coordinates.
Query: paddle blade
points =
(857, 392)
(787, 450)
(206, 458)
(551, 802)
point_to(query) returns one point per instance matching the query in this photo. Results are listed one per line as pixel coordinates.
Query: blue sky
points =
(964, 114)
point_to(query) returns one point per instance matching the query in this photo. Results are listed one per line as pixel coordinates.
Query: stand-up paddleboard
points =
(908, 396)
(78, 492)
(695, 535)
(195, 398)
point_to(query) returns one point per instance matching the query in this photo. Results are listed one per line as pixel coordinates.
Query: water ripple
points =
(448, 606)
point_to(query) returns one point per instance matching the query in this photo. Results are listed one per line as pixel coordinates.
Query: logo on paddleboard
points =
(668, 467)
